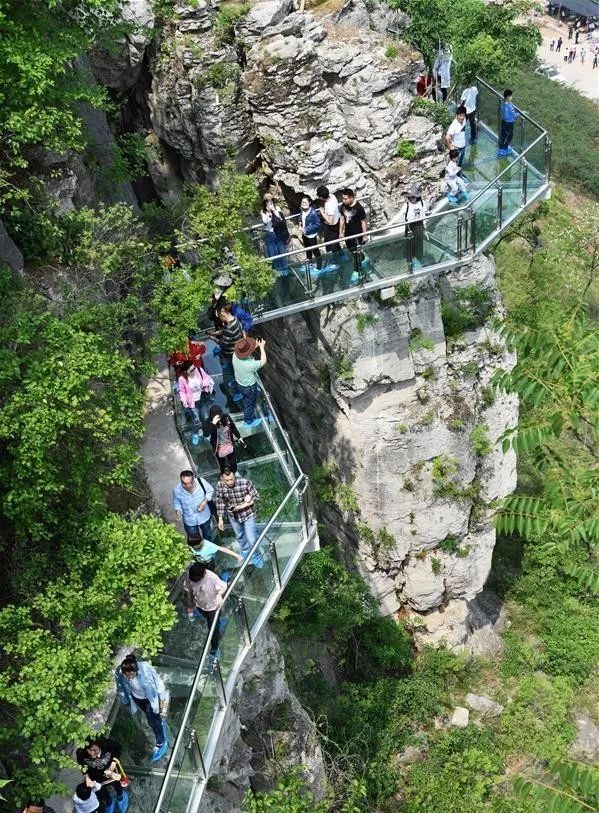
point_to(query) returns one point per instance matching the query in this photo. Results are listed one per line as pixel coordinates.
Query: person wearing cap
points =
(412, 214)
(246, 375)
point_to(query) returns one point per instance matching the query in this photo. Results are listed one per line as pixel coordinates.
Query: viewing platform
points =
(500, 189)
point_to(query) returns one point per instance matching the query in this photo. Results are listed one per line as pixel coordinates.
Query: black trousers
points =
(472, 121)
(312, 253)
(215, 640)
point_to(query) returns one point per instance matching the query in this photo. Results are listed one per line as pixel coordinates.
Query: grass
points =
(572, 123)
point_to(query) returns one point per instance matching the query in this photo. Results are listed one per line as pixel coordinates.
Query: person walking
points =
(191, 503)
(86, 797)
(230, 333)
(595, 58)
(412, 214)
(237, 497)
(276, 234)
(583, 53)
(246, 375)
(194, 387)
(455, 137)
(204, 593)
(558, 46)
(468, 100)
(223, 435)
(139, 686)
(310, 224)
(98, 762)
(330, 216)
(352, 226)
(509, 114)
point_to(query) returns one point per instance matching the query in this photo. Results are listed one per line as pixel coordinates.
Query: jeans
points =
(226, 363)
(193, 414)
(245, 532)
(471, 117)
(204, 530)
(155, 720)
(506, 134)
(250, 394)
(462, 153)
(275, 246)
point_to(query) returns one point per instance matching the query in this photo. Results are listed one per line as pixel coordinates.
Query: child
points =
(85, 799)
(453, 180)
(509, 114)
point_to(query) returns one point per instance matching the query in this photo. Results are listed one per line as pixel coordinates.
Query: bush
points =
(383, 645)
(471, 308)
(406, 149)
(479, 440)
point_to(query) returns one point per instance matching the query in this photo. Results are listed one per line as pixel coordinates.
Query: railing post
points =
(460, 235)
(275, 564)
(547, 157)
(196, 753)
(243, 619)
(524, 195)
(308, 279)
(218, 680)
(522, 126)
(500, 205)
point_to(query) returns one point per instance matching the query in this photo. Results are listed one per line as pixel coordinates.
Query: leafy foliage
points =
(470, 308)
(568, 787)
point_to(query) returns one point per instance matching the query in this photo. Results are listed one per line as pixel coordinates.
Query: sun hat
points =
(413, 191)
(245, 347)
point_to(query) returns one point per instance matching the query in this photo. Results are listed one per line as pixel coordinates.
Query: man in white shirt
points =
(468, 101)
(330, 215)
(455, 137)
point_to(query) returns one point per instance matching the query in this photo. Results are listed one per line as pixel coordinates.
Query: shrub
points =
(470, 309)
(406, 149)
(479, 440)
(364, 320)
(391, 51)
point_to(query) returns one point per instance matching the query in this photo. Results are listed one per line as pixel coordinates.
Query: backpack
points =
(279, 226)
(246, 319)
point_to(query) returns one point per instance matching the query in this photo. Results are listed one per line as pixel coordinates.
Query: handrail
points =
(206, 651)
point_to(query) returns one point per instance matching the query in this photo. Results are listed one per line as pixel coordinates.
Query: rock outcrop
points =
(411, 427)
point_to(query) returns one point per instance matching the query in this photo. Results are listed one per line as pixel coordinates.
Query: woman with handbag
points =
(99, 762)
(223, 436)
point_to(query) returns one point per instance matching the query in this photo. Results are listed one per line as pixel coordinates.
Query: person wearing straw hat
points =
(246, 369)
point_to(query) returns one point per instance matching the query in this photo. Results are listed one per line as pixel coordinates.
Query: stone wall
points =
(374, 390)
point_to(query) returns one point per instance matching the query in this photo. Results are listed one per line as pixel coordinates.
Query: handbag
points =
(207, 381)
(124, 780)
(211, 503)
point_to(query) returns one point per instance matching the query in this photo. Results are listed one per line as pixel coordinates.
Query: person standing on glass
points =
(139, 686)
(352, 226)
(276, 234)
(223, 435)
(191, 503)
(310, 224)
(468, 100)
(329, 212)
(412, 214)
(204, 593)
(455, 137)
(509, 115)
(237, 497)
(246, 375)
(230, 333)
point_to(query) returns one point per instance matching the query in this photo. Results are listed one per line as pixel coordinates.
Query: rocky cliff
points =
(401, 422)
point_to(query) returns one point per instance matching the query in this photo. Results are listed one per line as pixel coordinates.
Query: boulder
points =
(486, 706)
(460, 717)
(586, 744)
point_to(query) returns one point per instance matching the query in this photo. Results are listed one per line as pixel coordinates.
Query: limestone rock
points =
(121, 67)
(484, 705)
(9, 252)
(422, 589)
(460, 717)
(586, 744)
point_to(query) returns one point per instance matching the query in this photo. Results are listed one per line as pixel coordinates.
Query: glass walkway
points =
(201, 692)
(500, 190)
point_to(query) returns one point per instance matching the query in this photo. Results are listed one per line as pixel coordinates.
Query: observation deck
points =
(500, 190)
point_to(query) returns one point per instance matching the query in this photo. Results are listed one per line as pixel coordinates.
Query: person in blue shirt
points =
(205, 551)
(509, 114)
(191, 502)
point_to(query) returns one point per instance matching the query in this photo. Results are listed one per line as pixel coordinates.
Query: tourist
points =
(204, 593)
(453, 180)
(468, 100)
(353, 225)
(191, 502)
(424, 85)
(552, 45)
(595, 58)
(413, 216)
(509, 114)
(223, 436)
(195, 388)
(36, 806)
(237, 497)
(558, 46)
(230, 333)
(205, 551)
(583, 53)
(246, 375)
(85, 798)
(442, 71)
(310, 224)
(140, 686)
(276, 233)
(98, 761)
(455, 137)
(330, 216)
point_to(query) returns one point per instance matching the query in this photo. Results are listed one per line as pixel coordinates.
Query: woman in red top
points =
(424, 85)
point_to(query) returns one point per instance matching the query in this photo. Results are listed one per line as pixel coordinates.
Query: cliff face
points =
(406, 427)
